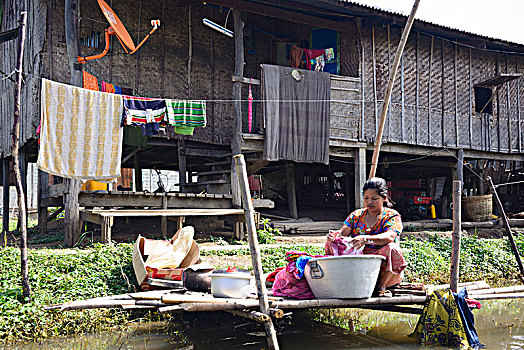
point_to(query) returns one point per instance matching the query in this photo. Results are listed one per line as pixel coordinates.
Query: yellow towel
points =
(81, 137)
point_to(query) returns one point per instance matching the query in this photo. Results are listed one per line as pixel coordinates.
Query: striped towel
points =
(186, 115)
(80, 136)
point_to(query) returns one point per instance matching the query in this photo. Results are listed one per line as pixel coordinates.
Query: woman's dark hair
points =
(380, 186)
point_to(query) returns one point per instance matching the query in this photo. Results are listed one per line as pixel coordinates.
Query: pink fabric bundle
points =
(286, 285)
(249, 109)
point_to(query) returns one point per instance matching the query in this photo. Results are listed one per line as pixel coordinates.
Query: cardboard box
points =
(143, 248)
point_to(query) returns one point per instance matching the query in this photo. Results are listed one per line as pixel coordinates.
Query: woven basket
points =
(477, 208)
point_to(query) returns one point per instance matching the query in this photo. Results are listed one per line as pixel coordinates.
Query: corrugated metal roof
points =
(394, 13)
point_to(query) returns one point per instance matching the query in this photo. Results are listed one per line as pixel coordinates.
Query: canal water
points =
(499, 325)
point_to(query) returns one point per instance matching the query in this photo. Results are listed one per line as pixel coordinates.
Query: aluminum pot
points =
(230, 283)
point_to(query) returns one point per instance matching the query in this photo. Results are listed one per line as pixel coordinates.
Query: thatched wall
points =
(446, 83)
(30, 103)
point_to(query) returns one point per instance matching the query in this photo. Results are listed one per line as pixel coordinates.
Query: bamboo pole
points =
(507, 227)
(252, 315)
(276, 313)
(502, 290)
(499, 296)
(389, 89)
(475, 285)
(455, 248)
(22, 210)
(247, 204)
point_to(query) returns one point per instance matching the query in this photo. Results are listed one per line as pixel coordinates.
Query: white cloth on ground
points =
(81, 137)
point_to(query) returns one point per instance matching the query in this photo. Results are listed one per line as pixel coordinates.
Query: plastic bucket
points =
(343, 277)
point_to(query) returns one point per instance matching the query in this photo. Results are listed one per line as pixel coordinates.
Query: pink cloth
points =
(394, 263)
(312, 54)
(341, 246)
(286, 285)
(249, 109)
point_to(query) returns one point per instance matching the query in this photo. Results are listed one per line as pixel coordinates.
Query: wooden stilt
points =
(5, 193)
(507, 227)
(163, 223)
(43, 189)
(72, 186)
(107, 223)
(291, 191)
(271, 334)
(182, 166)
(455, 248)
(348, 187)
(360, 175)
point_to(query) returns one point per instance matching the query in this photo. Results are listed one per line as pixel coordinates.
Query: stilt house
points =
(457, 99)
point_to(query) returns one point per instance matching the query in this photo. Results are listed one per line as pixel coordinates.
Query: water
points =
(499, 324)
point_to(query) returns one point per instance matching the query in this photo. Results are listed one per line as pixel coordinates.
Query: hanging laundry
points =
(319, 63)
(145, 112)
(185, 115)
(295, 56)
(127, 91)
(118, 90)
(330, 54)
(249, 110)
(89, 81)
(312, 54)
(81, 137)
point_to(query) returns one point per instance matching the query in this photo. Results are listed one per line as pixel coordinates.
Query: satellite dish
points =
(117, 28)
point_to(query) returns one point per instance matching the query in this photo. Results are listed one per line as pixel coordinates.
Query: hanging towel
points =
(81, 136)
(144, 112)
(89, 81)
(185, 115)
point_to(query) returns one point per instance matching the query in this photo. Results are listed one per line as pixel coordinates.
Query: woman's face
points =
(372, 200)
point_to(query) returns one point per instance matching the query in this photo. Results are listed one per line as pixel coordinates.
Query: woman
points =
(377, 228)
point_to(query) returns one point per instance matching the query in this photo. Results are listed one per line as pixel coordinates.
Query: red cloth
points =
(271, 276)
(473, 304)
(312, 54)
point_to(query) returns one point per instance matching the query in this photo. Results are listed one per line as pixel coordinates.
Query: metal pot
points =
(230, 283)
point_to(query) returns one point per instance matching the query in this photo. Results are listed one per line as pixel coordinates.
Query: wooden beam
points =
(389, 74)
(6, 195)
(429, 88)
(387, 98)
(442, 95)
(72, 210)
(288, 15)
(417, 88)
(236, 142)
(43, 187)
(182, 165)
(456, 98)
(245, 80)
(508, 111)
(457, 229)
(362, 82)
(470, 100)
(375, 109)
(360, 175)
(402, 100)
(291, 191)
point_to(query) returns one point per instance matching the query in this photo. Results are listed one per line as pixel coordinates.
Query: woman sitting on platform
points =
(377, 228)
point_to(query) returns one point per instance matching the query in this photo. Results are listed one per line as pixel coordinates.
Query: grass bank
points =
(64, 275)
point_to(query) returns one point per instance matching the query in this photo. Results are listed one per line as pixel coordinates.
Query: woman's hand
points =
(332, 235)
(359, 241)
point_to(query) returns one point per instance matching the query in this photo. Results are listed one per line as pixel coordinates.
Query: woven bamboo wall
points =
(30, 103)
(445, 85)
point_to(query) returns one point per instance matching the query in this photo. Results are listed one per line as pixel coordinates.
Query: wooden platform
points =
(104, 217)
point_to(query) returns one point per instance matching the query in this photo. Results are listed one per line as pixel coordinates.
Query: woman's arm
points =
(378, 239)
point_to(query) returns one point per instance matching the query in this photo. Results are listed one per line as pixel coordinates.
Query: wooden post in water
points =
(457, 227)
(387, 98)
(508, 228)
(22, 210)
(249, 212)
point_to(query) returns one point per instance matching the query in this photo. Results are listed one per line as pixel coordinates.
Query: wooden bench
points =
(104, 218)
